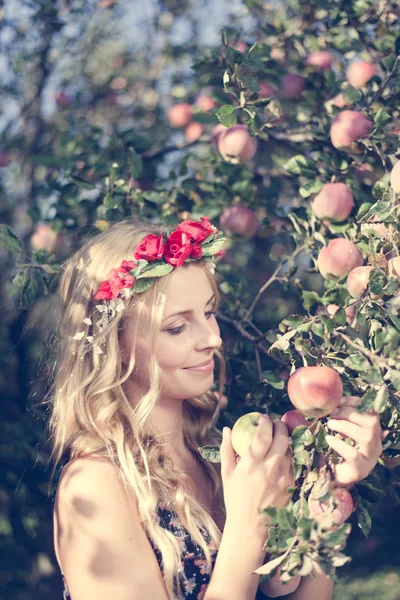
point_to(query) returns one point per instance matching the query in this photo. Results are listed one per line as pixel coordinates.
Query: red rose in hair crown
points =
(178, 248)
(150, 248)
(197, 230)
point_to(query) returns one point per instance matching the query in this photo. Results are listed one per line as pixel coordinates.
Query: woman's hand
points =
(364, 428)
(262, 476)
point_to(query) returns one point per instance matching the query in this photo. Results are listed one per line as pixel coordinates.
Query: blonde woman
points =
(138, 514)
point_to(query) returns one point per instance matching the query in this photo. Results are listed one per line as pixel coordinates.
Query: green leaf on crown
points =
(213, 248)
(152, 270)
(141, 285)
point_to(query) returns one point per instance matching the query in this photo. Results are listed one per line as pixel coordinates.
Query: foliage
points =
(102, 149)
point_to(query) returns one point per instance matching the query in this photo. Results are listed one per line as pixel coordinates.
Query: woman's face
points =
(188, 337)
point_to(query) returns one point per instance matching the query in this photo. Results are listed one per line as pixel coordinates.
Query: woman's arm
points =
(240, 553)
(319, 587)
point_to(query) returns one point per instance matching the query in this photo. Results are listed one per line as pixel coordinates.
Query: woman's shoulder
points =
(88, 480)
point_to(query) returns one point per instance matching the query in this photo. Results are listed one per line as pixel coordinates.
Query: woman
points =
(138, 513)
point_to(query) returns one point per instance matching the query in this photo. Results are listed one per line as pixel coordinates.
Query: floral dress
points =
(195, 574)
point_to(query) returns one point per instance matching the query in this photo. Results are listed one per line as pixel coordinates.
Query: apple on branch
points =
(338, 258)
(315, 391)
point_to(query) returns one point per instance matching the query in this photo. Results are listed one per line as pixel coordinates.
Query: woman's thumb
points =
(228, 459)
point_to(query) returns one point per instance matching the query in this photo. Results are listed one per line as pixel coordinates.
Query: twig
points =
(269, 281)
(174, 148)
(373, 357)
(258, 362)
(384, 83)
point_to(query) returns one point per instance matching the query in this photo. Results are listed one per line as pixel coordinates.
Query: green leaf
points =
(297, 435)
(309, 299)
(32, 288)
(336, 538)
(154, 197)
(377, 281)
(135, 163)
(227, 115)
(156, 270)
(369, 492)
(141, 285)
(351, 95)
(363, 519)
(312, 187)
(300, 165)
(357, 362)
(381, 117)
(18, 283)
(368, 400)
(302, 457)
(273, 380)
(210, 453)
(213, 248)
(339, 318)
(9, 240)
(381, 399)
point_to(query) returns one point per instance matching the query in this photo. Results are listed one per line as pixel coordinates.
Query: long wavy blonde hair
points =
(91, 415)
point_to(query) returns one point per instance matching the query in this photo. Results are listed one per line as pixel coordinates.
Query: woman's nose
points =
(209, 335)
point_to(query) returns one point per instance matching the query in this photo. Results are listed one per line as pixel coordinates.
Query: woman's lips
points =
(206, 366)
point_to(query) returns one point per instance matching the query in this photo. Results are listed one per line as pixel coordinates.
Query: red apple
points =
(180, 115)
(395, 177)
(320, 58)
(215, 134)
(357, 281)
(275, 588)
(359, 73)
(331, 310)
(315, 391)
(278, 54)
(236, 145)
(292, 86)
(205, 103)
(332, 512)
(118, 83)
(338, 258)
(193, 131)
(266, 90)
(293, 419)
(44, 238)
(243, 432)
(63, 100)
(334, 202)
(349, 126)
(239, 220)
(339, 101)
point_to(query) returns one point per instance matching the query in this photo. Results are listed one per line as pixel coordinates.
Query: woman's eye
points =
(209, 313)
(176, 330)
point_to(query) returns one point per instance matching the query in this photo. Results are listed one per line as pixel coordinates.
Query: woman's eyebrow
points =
(183, 312)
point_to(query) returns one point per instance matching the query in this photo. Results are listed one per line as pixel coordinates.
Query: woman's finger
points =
(360, 435)
(367, 440)
(364, 419)
(227, 453)
(262, 440)
(349, 453)
(350, 401)
(280, 442)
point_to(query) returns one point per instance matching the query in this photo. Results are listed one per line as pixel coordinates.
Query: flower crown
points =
(154, 257)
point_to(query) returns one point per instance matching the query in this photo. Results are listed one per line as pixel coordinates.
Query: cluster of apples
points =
(315, 392)
(181, 116)
(342, 257)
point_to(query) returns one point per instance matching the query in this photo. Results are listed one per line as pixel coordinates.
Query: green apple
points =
(244, 431)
